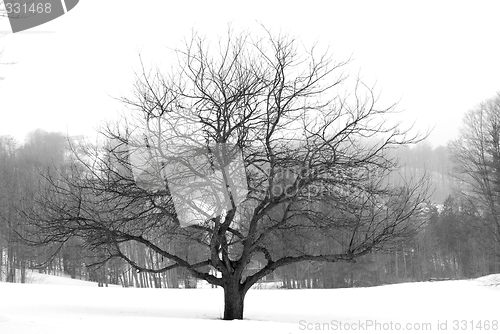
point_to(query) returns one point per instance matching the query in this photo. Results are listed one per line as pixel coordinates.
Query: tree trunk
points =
(233, 301)
(1, 263)
(23, 270)
(396, 266)
(11, 270)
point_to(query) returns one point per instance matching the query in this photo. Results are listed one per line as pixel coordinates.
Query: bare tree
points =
(476, 155)
(246, 150)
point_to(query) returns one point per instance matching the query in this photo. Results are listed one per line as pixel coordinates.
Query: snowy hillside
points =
(490, 280)
(63, 305)
(37, 278)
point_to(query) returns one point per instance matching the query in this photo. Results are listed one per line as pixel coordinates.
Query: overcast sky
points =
(438, 59)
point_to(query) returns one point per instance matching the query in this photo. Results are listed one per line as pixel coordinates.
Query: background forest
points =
(449, 244)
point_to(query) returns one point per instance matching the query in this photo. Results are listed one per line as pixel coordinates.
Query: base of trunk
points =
(233, 302)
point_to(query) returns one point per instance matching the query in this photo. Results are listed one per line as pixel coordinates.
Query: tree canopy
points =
(249, 148)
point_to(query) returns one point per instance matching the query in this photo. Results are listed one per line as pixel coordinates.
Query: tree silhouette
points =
(244, 147)
(476, 157)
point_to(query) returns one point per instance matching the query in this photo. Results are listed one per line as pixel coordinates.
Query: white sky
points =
(438, 59)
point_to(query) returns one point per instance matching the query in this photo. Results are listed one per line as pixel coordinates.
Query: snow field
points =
(61, 305)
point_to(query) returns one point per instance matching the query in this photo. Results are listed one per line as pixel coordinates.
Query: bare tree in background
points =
(314, 184)
(476, 155)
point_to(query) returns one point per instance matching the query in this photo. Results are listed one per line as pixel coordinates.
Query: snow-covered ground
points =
(37, 278)
(61, 305)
